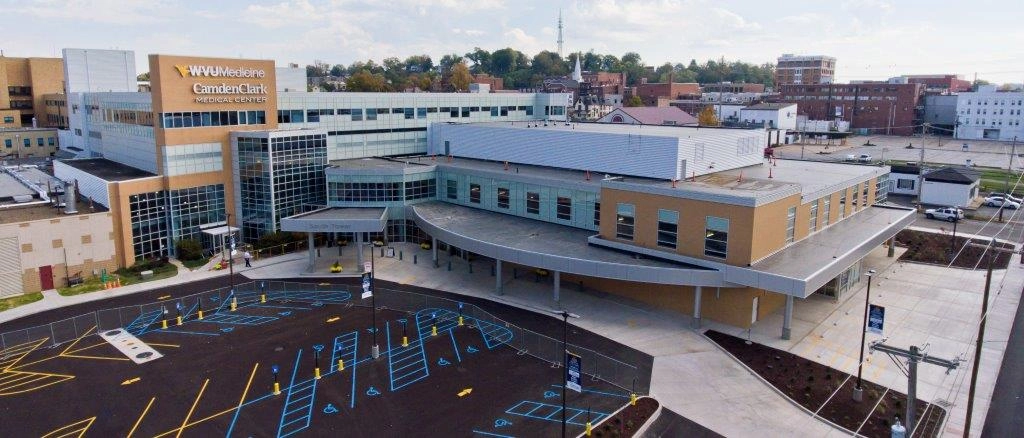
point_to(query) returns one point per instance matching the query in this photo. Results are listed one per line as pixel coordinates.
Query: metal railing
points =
(145, 317)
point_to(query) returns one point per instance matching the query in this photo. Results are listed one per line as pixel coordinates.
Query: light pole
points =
(231, 255)
(858, 392)
(375, 350)
(565, 314)
(956, 220)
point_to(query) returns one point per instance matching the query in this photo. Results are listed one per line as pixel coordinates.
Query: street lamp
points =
(231, 255)
(858, 392)
(375, 350)
(565, 314)
(952, 242)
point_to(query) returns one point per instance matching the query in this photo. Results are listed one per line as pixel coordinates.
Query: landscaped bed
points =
(937, 248)
(829, 392)
(626, 421)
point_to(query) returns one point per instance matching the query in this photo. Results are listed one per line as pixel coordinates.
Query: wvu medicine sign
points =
(224, 92)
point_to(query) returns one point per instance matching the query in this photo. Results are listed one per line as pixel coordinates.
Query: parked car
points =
(949, 214)
(999, 201)
(864, 158)
(1013, 198)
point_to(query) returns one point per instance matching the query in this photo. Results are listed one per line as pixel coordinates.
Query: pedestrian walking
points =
(248, 259)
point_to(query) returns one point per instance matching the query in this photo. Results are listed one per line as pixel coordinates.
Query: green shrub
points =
(189, 249)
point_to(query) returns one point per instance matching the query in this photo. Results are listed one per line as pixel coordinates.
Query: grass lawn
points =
(193, 264)
(12, 302)
(94, 284)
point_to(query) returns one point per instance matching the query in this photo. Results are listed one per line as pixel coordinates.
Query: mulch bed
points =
(626, 422)
(938, 248)
(811, 385)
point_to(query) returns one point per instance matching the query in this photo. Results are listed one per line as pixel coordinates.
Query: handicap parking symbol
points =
(443, 362)
(372, 392)
(402, 320)
(330, 409)
(285, 313)
(550, 394)
(371, 329)
(318, 347)
(227, 329)
(501, 422)
(317, 304)
(471, 349)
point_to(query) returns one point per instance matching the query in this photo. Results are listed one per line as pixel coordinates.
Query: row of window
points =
(993, 122)
(997, 102)
(563, 204)
(716, 229)
(360, 114)
(205, 119)
(984, 111)
(27, 142)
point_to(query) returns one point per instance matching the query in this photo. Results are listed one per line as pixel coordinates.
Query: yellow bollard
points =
(263, 298)
(316, 373)
(234, 304)
(460, 321)
(405, 341)
(163, 324)
(632, 399)
(179, 320)
(588, 429)
(433, 330)
(277, 388)
(341, 364)
(200, 314)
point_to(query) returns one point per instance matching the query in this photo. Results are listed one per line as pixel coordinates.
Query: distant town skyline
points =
(871, 39)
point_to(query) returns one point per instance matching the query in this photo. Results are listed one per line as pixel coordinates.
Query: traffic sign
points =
(876, 318)
(574, 364)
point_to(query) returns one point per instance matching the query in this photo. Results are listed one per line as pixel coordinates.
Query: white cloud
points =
(100, 11)
(292, 13)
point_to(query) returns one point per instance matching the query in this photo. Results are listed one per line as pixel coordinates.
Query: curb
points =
(777, 391)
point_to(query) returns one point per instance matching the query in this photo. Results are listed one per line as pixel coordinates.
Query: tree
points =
(548, 63)
(507, 60)
(481, 60)
(363, 80)
(447, 61)
(460, 77)
(338, 70)
(635, 101)
(707, 117)
(143, 77)
(189, 249)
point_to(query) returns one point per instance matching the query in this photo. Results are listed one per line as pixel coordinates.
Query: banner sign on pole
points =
(367, 278)
(573, 366)
(876, 318)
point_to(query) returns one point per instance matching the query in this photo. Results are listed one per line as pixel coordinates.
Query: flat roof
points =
(11, 187)
(107, 170)
(812, 176)
(44, 211)
(338, 219)
(694, 132)
(381, 163)
(343, 213)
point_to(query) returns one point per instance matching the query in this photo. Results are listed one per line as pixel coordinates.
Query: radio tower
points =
(560, 41)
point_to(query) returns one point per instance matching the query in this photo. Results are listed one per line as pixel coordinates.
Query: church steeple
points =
(577, 74)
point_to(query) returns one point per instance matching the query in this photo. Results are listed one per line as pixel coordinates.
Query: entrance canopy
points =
(338, 220)
(220, 231)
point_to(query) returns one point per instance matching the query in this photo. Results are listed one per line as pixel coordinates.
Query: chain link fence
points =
(139, 319)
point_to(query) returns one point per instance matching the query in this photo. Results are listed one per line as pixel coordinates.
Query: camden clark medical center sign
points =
(224, 92)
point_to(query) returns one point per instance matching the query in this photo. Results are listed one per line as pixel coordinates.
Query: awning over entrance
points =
(808, 264)
(338, 220)
(548, 246)
(220, 231)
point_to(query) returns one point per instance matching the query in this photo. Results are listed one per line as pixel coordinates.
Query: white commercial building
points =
(91, 70)
(771, 115)
(988, 114)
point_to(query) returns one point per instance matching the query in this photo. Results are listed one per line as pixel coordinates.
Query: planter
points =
(628, 421)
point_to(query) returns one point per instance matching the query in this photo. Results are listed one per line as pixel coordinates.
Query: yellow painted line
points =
(77, 428)
(130, 381)
(24, 350)
(59, 378)
(333, 318)
(163, 297)
(323, 284)
(94, 357)
(69, 347)
(193, 408)
(465, 392)
(87, 348)
(153, 344)
(139, 421)
(226, 411)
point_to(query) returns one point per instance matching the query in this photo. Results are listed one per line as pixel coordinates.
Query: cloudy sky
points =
(872, 39)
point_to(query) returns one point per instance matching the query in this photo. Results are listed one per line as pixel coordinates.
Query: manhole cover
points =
(144, 355)
(278, 348)
(113, 333)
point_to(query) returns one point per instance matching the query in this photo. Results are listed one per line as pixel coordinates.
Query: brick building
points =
(23, 82)
(940, 84)
(495, 83)
(814, 69)
(729, 87)
(650, 93)
(882, 108)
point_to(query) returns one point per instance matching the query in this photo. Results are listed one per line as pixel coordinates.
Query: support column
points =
(558, 282)
(787, 318)
(312, 253)
(696, 306)
(892, 247)
(433, 249)
(497, 277)
(359, 251)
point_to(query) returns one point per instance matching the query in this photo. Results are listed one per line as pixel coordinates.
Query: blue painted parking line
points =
(492, 434)
(493, 334)
(143, 322)
(406, 365)
(183, 332)
(455, 345)
(269, 306)
(298, 405)
(344, 348)
(548, 412)
(311, 296)
(239, 319)
(609, 394)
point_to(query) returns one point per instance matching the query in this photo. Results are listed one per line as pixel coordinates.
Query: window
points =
(465, 111)
(564, 208)
(668, 227)
(8, 119)
(313, 116)
(827, 212)
(813, 225)
(494, 111)
(716, 236)
(454, 111)
(905, 184)
(791, 225)
(357, 114)
(864, 196)
(28, 142)
(533, 202)
(503, 197)
(842, 204)
(453, 189)
(39, 141)
(597, 214)
(624, 221)
(421, 113)
(474, 193)
(8, 143)
(409, 113)
(371, 114)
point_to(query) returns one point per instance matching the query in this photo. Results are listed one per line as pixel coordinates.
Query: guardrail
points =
(139, 319)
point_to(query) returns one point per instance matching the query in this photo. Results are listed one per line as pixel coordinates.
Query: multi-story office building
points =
(988, 114)
(23, 83)
(873, 107)
(176, 162)
(28, 142)
(811, 69)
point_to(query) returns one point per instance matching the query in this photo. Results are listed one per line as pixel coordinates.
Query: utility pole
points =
(915, 356)
(1009, 170)
(920, 164)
